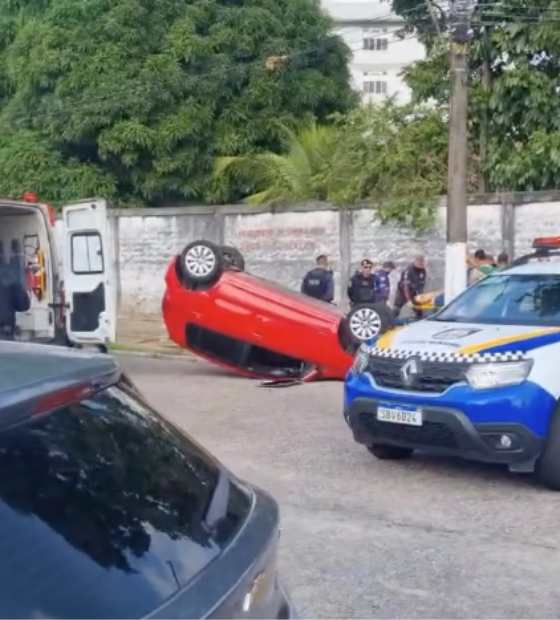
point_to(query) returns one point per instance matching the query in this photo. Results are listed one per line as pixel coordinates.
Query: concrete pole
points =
(457, 186)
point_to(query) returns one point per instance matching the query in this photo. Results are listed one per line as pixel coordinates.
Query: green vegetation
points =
(514, 88)
(391, 156)
(135, 99)
(153, 102)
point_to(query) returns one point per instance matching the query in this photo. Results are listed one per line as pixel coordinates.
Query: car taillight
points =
(62, 398)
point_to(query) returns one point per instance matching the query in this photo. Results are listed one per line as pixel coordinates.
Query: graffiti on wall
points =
(287, 238)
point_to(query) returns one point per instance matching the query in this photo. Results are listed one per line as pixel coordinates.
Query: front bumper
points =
(459, 421)
(445, 431)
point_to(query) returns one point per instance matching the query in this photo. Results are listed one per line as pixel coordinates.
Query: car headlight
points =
(361, 361)
(498, 374)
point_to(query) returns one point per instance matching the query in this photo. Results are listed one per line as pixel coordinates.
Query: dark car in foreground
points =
(109, 511)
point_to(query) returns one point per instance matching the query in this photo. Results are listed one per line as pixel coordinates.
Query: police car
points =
(479, 379)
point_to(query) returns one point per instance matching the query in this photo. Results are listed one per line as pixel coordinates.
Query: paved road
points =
(428, 538)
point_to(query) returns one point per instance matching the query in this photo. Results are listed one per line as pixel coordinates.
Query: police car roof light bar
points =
(546, 243)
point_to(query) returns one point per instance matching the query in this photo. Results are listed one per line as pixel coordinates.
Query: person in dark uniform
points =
(411, 284)
(362, 284)
(13, 298)
(319, 282)
(382, 285)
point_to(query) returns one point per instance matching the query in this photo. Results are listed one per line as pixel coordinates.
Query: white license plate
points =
(399, 414)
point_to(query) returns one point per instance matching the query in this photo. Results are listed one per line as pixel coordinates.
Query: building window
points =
(374, 87)
(376, 44)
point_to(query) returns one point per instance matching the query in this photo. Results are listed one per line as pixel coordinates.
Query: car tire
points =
(233, 257)
(366, 321)
(201, 262)
(390, 453)
(547, 469)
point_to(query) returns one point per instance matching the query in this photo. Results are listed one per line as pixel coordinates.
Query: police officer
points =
(13, 298)
(362, 284)
(411, 284)
(319, 282)
(382, 282)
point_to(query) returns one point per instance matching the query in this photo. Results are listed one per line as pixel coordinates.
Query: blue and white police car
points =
(479, 379)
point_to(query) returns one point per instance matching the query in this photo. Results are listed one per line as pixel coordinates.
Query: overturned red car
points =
(258, 328)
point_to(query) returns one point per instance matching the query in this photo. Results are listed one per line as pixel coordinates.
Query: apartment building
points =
(370, 28)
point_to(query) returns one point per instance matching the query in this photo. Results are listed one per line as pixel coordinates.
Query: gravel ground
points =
(427, 538)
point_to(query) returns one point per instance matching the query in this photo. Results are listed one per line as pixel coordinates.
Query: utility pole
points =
(486, 83)
(457, 185)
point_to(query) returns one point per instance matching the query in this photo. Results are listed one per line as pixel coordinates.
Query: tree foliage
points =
(392, 157)
(135, 99)
(514, 115)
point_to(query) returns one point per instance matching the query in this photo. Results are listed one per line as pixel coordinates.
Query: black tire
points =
(390, 453)
(379, 312)
(233, 257)
(547, 469)
(201, 262)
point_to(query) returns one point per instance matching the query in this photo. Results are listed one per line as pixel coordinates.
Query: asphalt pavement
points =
(425, 538)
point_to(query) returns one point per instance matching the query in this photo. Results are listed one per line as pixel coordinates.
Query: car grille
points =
(434, 377)
(430, 434)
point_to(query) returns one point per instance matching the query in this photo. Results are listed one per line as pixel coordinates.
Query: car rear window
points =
(102, 511)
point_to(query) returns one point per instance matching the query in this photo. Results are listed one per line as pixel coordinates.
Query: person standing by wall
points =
(480, 266)
(319, 282)
(13, 298)
(411, 284)
(382, 282)
(362, 284)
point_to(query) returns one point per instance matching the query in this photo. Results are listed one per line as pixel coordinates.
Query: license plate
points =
(399, 414)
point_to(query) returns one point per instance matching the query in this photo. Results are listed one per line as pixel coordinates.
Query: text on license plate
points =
(399, 414)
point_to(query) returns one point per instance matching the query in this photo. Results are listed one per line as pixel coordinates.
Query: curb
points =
(155, 354)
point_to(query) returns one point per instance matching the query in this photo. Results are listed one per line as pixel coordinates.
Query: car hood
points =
(467, 338)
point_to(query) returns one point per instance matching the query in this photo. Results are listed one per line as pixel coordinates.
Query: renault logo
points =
(410, 370)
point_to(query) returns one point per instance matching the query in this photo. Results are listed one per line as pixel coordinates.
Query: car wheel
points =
(201, 263)
(390, 453)
(233, 257)
(367, 321)
(547, 470)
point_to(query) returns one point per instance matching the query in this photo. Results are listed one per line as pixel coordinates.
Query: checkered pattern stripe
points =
(444, 356)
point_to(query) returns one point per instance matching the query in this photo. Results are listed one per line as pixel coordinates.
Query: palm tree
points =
(301, 173)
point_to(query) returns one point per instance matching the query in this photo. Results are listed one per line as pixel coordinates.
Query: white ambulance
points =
(70, 274)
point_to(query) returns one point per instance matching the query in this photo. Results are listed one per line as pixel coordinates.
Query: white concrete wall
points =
(282, 246)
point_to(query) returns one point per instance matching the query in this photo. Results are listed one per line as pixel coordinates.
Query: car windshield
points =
(510, 299)
(102, 508)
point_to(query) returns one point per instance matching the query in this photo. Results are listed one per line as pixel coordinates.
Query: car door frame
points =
(89, 273)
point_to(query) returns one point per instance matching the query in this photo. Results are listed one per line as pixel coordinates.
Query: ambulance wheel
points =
(233, 257)
(201, 262)
(547, 469)
(390, 453)
(367, 321)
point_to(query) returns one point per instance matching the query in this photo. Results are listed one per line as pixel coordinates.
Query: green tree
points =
(135, 99)
(389, 156)
(395, 157)
(514, 84)
(298, 173)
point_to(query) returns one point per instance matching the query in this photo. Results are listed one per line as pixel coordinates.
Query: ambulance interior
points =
(26, 256)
